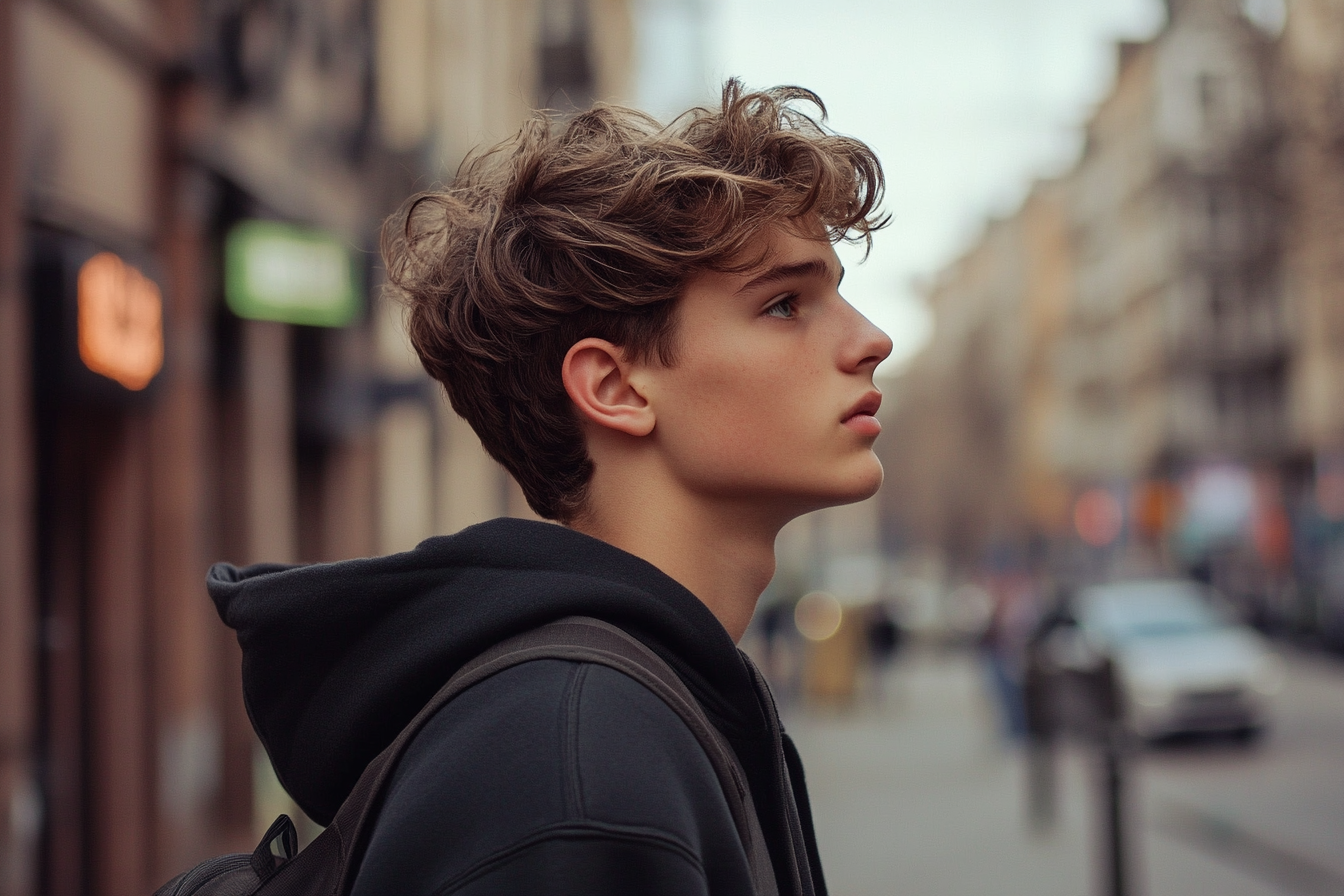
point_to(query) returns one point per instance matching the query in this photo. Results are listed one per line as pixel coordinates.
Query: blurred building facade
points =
(1155, 333)
(1313, 90)
(1175, 343)
(976, 468)
(147, 133)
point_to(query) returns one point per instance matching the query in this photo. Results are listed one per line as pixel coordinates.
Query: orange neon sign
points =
(120, 321)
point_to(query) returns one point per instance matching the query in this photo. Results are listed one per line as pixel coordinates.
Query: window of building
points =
(566, 71)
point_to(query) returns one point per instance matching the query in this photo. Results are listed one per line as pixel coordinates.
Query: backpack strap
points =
(334, 855)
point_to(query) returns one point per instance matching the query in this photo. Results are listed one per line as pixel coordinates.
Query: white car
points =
(1182, 664)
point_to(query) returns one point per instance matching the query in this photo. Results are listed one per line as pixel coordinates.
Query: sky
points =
(966, 102)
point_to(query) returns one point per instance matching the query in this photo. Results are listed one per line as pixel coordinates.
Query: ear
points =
(597, 377)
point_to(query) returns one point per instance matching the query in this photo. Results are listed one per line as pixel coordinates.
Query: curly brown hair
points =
(592, 228)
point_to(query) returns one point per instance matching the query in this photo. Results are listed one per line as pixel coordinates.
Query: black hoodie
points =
(338, 657)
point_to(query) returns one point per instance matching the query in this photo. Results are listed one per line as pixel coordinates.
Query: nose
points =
(865, 345)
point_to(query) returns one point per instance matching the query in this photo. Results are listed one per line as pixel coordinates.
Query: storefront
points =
(196, 386)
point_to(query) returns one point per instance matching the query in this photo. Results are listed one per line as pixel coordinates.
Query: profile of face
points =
(771, 400)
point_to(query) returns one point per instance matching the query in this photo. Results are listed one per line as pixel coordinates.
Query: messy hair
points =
(592, 227)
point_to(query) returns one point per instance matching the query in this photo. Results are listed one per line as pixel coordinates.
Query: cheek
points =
(740, 417)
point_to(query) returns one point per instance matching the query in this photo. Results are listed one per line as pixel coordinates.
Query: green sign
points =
(295, 275)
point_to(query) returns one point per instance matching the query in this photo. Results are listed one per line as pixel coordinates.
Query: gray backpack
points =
(328, 865)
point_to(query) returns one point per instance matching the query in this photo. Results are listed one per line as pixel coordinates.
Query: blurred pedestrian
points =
(780, 650)
(884, 637)
(1004, 648)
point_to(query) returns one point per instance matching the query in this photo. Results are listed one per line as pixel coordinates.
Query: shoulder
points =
(637, 761)
(549, 752)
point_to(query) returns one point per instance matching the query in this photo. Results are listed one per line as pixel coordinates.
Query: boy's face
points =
(771, 397)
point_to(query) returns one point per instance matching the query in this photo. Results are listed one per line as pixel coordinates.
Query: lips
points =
(862, 417)
(865, 407)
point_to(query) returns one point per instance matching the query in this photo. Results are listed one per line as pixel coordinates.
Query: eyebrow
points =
(812, 268)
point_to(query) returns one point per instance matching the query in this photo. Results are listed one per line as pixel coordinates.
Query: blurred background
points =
(1115, 282)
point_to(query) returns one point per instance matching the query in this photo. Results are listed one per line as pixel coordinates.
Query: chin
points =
(859, 484)
(863, 491)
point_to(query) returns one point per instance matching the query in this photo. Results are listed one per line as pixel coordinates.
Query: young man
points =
(644, 327)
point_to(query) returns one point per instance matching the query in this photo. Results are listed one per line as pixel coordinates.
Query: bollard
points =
(1115, 821)
(1112, 740)
(1039, 697)
(1069, 687)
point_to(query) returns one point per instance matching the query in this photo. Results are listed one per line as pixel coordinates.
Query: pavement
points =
(916, 793)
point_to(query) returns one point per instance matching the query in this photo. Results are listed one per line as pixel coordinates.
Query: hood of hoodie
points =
(338, 657)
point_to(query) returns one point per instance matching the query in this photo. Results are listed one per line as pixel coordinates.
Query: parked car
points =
(1182, 663)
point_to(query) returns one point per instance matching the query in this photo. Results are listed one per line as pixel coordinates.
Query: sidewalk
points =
(919, 797)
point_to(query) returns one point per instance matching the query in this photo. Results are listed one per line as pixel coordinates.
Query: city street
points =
(918, 796)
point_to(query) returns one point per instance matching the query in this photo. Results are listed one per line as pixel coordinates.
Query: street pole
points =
(19, 812)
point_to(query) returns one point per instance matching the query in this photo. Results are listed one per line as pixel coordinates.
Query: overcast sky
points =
(965, 101)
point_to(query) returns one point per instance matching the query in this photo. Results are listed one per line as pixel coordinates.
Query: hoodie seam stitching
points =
(574, 763)
(564, 746)
(653, 838)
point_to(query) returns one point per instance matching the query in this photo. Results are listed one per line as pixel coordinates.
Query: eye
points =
(783, 307)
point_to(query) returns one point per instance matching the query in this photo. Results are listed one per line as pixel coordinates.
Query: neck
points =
(721, 553)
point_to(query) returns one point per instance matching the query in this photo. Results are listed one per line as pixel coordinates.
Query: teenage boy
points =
(643, 325)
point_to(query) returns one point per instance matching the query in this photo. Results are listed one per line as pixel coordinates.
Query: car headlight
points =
(1267, 679)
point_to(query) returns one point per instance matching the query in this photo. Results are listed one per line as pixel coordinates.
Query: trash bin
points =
(834, 649)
